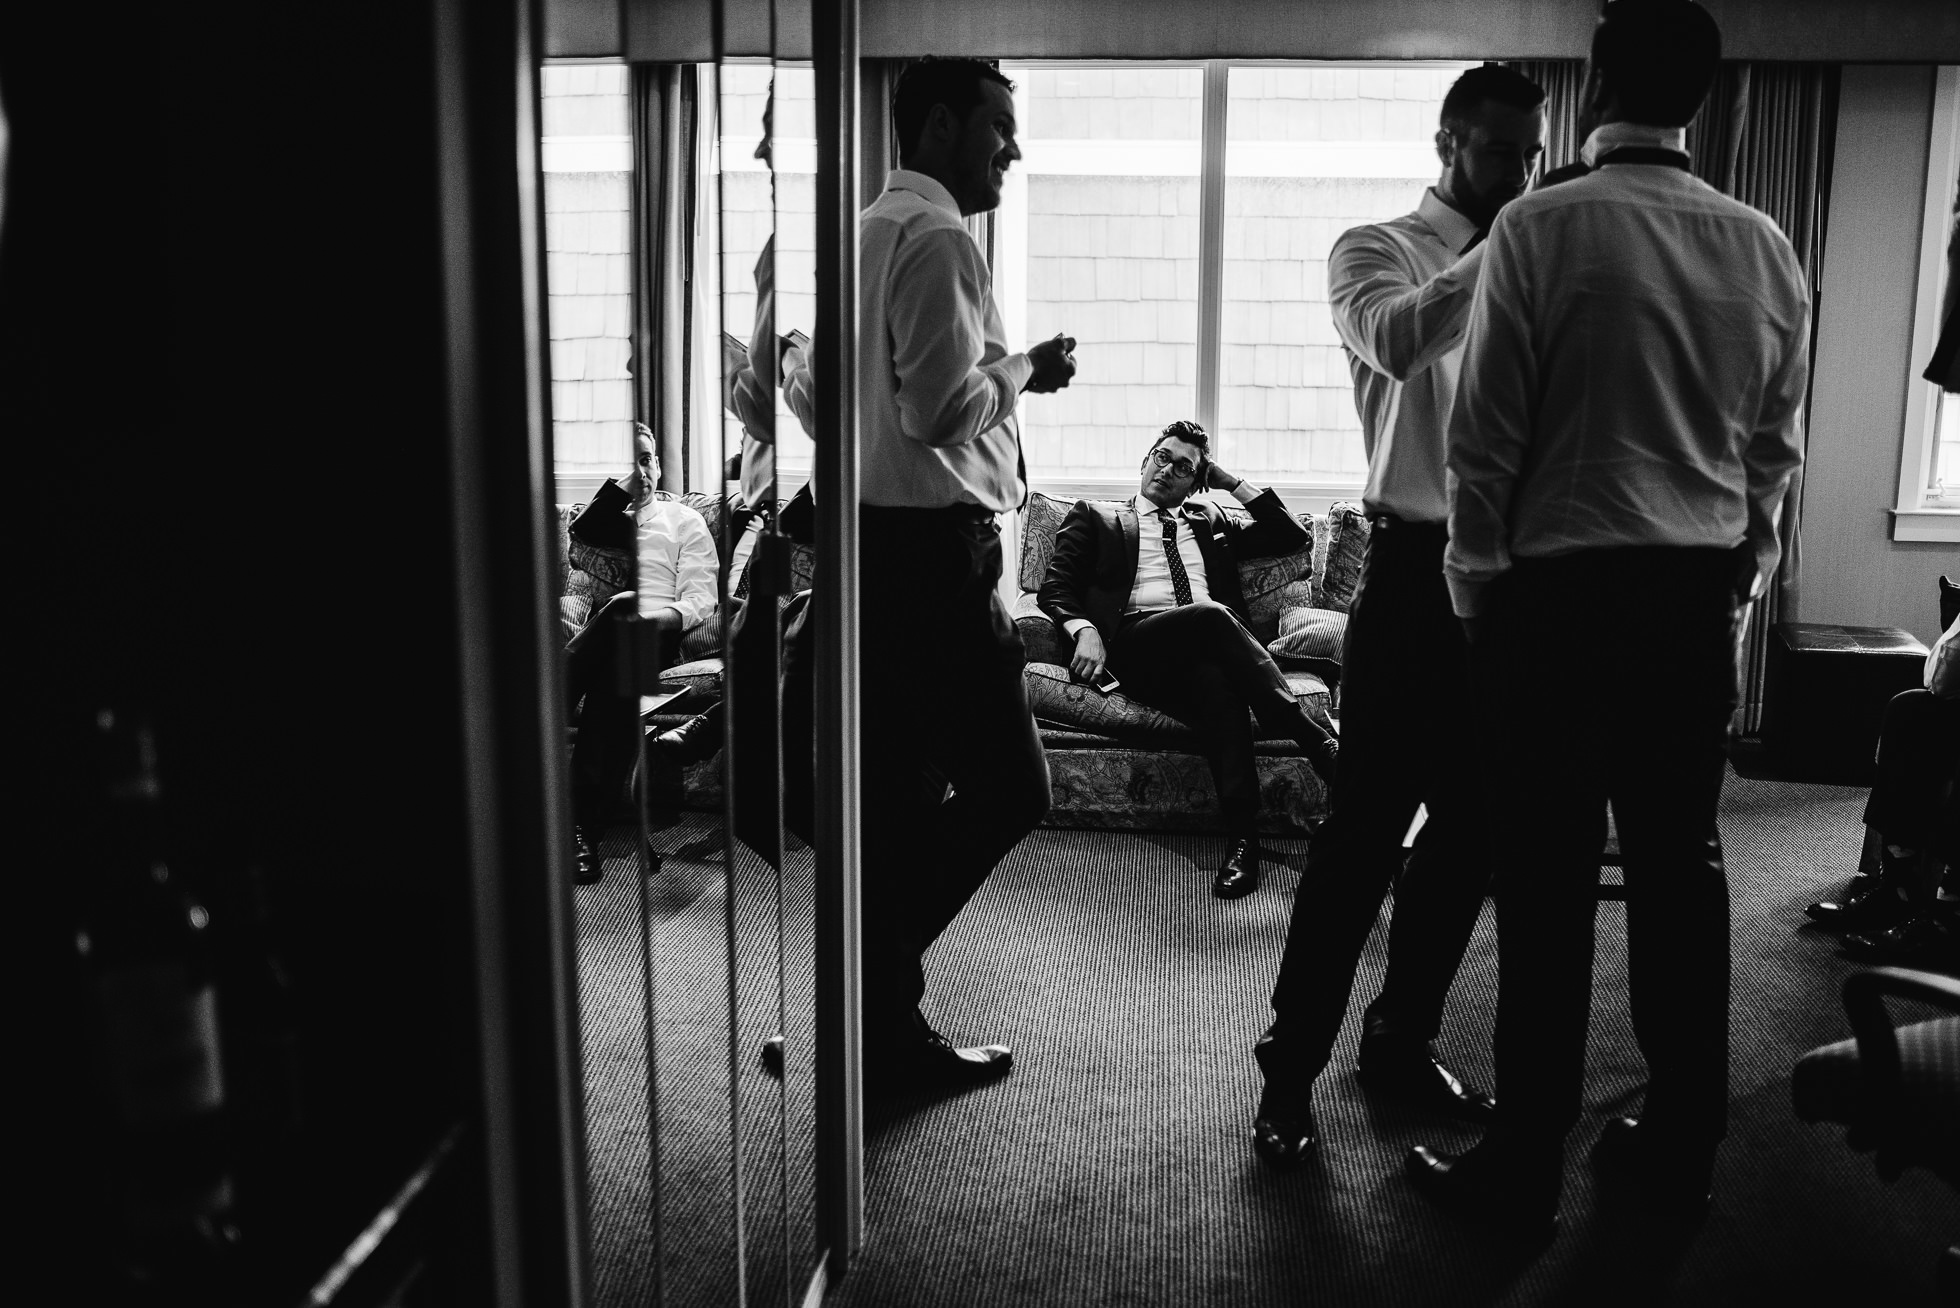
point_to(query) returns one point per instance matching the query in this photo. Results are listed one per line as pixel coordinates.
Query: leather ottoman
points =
(1825, 693)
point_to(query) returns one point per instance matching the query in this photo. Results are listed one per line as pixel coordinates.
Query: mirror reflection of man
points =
(941, 458)
(1400, 293)
(753, 387)
(674, 574)
(1150, 590)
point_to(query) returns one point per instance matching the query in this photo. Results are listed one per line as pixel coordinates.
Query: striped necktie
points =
(1180, 581)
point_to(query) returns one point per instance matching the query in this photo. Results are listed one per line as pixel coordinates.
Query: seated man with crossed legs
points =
(1150, 589)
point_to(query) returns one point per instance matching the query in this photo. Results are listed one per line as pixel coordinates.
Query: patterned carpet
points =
(1113, 1166)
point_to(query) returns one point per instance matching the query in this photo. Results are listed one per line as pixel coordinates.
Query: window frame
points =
(1916, 515)
(1314, 494)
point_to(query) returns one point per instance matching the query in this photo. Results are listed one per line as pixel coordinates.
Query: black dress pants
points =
(605, 707)
(1611, 677)
(944, 706)
(1915, 801)
(1408, 737)
(1200, 663)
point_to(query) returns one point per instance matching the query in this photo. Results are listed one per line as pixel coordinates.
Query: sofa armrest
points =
(1043, 640)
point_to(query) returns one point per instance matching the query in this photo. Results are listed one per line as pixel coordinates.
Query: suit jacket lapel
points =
(1126, 518)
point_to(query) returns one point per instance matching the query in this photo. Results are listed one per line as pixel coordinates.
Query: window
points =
(588, 202)
(1928, 506)
(1101, 234)
(747, 220)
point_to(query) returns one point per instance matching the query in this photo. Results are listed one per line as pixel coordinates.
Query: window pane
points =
(746, 223)
(1097, 236)
(1946, 454)
(1312, 151)
(588, 201)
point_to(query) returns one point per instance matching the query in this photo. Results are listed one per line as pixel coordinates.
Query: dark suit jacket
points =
(1095, 564)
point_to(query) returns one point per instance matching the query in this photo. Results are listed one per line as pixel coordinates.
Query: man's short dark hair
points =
(954, 83)
(1487, 82)
(1191, 434)
(1658, 58)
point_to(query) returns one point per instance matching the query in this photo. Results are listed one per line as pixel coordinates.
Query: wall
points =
(1853, 572)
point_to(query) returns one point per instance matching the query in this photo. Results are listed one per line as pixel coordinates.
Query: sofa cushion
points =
(1341, 552)
(1311, 639)
(1040, 520)
(1056, 698)
(1044, 641)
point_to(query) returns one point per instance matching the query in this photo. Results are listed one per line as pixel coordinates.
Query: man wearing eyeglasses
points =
(1149, 590)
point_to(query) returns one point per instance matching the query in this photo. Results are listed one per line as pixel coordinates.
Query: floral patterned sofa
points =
(1117, 763)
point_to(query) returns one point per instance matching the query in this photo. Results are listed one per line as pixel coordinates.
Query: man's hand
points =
(1216, 478)
(1054, 365)
(630, 483)
(1090, 656)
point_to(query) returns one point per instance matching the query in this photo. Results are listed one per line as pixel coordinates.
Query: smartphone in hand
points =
(1105, 682)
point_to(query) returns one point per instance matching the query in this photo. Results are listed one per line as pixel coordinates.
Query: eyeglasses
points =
(1182, 467)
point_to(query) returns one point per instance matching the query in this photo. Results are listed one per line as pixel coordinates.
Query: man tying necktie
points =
(1150, 590)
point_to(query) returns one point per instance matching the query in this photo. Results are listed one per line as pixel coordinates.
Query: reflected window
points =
(1098, 235)
(588, 203)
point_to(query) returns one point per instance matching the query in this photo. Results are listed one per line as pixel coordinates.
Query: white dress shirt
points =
(936, 383)
(677, 562)
(1400, 295)
(755, 387)
(1153, 588)
(1634, 375)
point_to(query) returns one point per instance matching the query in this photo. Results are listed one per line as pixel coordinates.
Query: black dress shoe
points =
(1410, 1075)
(1284, 1133)
(1238, 875)
(772, 1056)
(935, 1063)
(1660, 1175)
(587, 867)
(693, 741)
(1477, 1186)
(1923, 940)
(1870, 907)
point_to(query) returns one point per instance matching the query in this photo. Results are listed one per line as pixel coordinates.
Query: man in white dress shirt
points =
(1628, 420)
(1400, 293)
(941, 458)
(674, 591)
(1151, 589)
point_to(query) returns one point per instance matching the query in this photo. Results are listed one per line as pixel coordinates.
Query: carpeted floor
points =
(1114, 1166)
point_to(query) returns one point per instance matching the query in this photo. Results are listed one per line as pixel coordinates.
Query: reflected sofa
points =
(1115, 763)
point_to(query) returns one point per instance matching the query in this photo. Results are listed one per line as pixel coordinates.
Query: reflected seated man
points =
(1149, 591)
(674, 591)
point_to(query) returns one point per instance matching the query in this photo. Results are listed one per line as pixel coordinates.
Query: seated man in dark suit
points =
(1150, 590)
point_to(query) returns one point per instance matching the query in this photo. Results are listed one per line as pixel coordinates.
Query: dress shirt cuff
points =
(1018, 368)
(1245, 492)
(1467, 596)
(1074, 626)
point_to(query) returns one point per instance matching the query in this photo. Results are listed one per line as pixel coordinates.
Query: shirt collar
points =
(1611, 136)
(1451, 228)
(1137, 502)
(904, 179)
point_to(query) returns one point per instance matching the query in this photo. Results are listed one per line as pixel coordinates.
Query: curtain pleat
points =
(1765, 136)
(666, 173)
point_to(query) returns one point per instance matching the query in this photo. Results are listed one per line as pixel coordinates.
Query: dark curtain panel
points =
(1562, 80)
(1765, 136)
(667, 100)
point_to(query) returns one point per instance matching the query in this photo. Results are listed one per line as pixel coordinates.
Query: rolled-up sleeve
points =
(937, 315)
(1490, 426)
(1395, 324)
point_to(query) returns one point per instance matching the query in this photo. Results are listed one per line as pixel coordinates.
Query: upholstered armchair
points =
(1898, 1091)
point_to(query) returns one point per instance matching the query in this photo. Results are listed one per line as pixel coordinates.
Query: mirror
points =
(679, 234)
